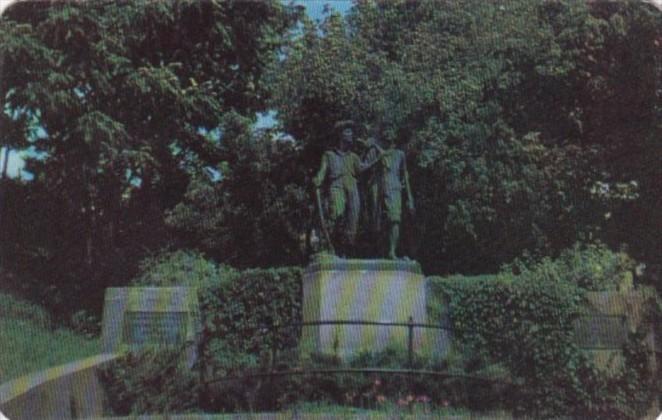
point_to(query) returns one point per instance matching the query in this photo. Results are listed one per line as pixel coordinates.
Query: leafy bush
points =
(525, 322)
(514, 328)
(151, 381)
(359, 389)
(590, 266)
(180, 268)
(237, 307)
(526, 326)
(85, 323)
(625, 394)
(29, 342)
(14, 308)
(244, 311)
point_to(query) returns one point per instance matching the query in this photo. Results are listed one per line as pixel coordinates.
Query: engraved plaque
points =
(154, 328)
(601, 331)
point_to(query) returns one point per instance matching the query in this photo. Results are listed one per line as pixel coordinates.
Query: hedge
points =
(522, 318)
(517, 324)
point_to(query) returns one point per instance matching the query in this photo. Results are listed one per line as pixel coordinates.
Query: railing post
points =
(274, 345)
(410, 342)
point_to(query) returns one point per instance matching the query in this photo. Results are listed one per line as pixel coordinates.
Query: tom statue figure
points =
(339, 171)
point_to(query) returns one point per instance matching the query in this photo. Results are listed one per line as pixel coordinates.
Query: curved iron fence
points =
(271, 370)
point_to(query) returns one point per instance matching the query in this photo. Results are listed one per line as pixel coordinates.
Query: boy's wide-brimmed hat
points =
(343, 124)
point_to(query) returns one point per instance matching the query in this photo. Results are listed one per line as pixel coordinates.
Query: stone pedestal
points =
(139, 317)
(363, 290)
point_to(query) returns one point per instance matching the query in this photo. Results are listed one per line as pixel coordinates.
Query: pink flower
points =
(381, 399)
(410, 398)
(445, 403)
(423, 399)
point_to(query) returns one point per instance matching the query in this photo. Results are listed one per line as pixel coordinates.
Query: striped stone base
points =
(362, 290)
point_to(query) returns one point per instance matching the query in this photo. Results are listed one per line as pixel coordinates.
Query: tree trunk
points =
(3, 177)
(5, 164)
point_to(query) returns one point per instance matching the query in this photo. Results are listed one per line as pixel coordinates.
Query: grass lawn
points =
(315, 411)
(390, 411)
(28, 343)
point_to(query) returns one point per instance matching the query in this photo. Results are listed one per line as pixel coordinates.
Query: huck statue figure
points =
(385, 195)
(340, 169)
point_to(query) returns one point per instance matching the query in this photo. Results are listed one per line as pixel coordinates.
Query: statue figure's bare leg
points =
(393, 237)
(353, 212)
(337, 203)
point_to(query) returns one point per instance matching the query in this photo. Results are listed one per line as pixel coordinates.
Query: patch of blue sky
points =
(15, 164)
(266, 120)
(317, 9)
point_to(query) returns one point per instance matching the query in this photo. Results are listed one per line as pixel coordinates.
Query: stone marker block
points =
(363, 290)
(608, 318)
(137, 317)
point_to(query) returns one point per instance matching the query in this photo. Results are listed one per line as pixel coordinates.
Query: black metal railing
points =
(274, 329)
(410, 325)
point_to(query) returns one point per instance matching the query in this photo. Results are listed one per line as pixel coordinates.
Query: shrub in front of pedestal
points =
(150, 381)
(527, 327)
(525, 323)
(237, 306)
(226, 387)
(391, 387)
(240, 391)
(239, 311)
(246, 309)
(245, 318)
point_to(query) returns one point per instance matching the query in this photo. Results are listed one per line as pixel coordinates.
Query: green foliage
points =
(13, 308)
(591, 267)
(238, 310)
(527, 126)
(500, 108)
(180, 268)
(86, 323)
(151, 381)
(238, 307)
(366, 390)
(514, 332)
(240, 315)
(116, 111)
(258, 212)
(525, 323)
(627, 393)
(31, 343)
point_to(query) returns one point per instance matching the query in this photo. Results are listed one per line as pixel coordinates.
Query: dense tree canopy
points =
(517, 116)
(125, 93)
(527, 125)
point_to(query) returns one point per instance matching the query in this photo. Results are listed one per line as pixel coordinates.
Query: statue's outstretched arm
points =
(373, 156)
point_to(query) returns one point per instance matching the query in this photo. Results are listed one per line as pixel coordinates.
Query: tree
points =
(124, 92)
(499, 106)
(256, 211)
